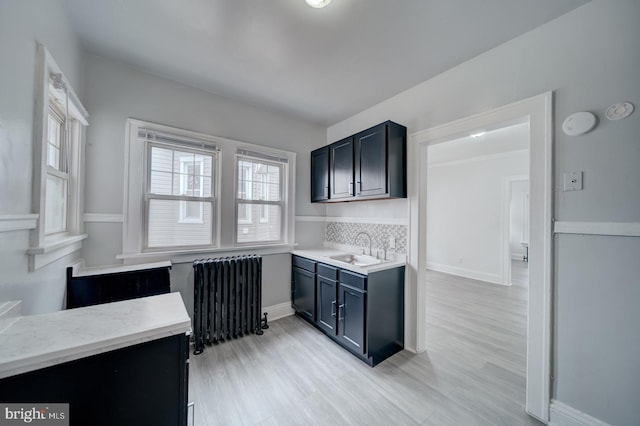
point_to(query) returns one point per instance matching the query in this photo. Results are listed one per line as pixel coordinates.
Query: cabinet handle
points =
(341, 309)
(333, 308)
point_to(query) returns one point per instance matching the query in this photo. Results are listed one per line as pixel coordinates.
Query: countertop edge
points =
(40, 361)
(322, 255)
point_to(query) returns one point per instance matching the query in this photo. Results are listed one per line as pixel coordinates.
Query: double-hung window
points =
(59, 132)
(260, 198)
(179, 196)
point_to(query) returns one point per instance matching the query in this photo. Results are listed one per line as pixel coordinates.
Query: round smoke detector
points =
(579, 123)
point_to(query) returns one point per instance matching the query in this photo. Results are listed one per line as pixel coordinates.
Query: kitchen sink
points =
(356, 259)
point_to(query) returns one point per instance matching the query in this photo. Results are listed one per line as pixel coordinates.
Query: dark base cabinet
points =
(364, 314)
(144, 384)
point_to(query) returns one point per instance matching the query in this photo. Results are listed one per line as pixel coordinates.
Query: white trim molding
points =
(617, 229)
(311, 219)
(538, 111)
(348, 219)
(467, 273)
(562, 414)
(17, 222)
(369, 220)
(278, 311)
(103, 218)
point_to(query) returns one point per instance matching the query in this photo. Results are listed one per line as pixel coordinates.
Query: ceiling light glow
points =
(318, 3)
(477, 135)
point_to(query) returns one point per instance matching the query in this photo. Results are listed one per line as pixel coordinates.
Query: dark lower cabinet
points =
(364, 314)
(351, 316)
(327, 305)
(143, 384)
(303, 289)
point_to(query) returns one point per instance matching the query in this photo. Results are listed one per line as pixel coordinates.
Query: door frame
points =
(539, 111)
(507, 185)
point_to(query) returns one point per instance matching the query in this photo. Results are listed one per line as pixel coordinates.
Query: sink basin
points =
(356, 259)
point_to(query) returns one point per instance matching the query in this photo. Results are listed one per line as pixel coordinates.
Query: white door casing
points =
(539, 112)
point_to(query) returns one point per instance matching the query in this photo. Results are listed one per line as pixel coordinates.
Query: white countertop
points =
(324, 254)
(37, 341)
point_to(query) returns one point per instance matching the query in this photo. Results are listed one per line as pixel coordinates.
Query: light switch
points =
(573, 181)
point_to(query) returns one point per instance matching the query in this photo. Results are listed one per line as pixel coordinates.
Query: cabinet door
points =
(320, 174)
(341, 166)
(351, 314)
(327, 305)
(371, 161)
(303, 292)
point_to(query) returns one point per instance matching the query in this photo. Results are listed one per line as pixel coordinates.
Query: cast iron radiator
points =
(227, 299)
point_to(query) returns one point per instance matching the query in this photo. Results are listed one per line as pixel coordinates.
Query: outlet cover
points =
(573, 181)
(392, 242)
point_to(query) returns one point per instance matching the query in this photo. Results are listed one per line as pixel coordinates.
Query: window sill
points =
(188, 256)
(54, 249)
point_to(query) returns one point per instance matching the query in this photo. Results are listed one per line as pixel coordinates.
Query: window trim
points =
(136, 181)
(132, 229)
(283, 202)
(47, 248)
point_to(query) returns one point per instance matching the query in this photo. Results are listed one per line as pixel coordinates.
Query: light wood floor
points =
(471, 374)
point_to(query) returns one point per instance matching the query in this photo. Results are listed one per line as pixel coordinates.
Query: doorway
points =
(538, 111)
(470, 217)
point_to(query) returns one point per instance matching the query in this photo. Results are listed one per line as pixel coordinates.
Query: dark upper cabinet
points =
(371, 164)
(370, 161)
(320, 174)
(341, 169)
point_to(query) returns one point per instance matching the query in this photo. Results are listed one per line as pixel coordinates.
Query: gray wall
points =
(22, 24)
(115, 92)
(590, 59)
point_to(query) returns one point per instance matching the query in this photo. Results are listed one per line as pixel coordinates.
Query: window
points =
(179, 195)
(57, 177)
(260, 198)
(190, 195)
(58, 165)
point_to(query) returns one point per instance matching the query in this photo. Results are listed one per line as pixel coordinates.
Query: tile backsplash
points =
(345, 232)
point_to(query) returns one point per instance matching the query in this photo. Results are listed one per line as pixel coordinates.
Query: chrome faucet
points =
(356, 239)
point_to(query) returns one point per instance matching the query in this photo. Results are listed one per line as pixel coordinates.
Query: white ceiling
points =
(321, 64)
(505, 139)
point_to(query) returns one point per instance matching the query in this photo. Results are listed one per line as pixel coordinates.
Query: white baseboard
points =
(517, 256)
(467, 273)
(278, 311)
(561, 414)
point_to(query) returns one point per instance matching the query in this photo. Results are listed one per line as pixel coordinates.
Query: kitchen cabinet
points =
(362, 313)
(120, 363)
(327, 304)
(303, 287)
(320, 174)
(341, 167)
(368, 165)
(143, 384)
(112, 284)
